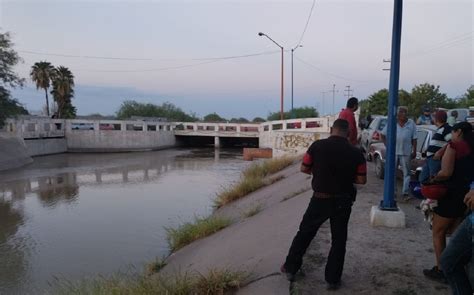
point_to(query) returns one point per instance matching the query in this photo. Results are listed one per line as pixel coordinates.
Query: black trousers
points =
(338, 211)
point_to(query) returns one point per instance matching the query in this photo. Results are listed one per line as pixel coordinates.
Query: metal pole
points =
(322, 102)
(388, 202)
(292, 113)
(281, 100)
(282, 50)
(333, 96)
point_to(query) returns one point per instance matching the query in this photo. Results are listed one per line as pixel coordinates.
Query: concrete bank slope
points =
(13, 152)
(378, 260)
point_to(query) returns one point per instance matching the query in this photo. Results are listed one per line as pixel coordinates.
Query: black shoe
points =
(333, 286)
(435, 274)
(289, 276)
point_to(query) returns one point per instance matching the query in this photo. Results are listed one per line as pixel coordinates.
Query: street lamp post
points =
(281, 90)
(292, 51)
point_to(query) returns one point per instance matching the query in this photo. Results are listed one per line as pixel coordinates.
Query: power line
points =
(206, 61)
(329, 73)
(80, 56)
(449, 43)
(307, 23)
(144, 59)
(238, 56)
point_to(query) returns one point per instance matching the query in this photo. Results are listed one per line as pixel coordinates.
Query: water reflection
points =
(12, 254)
(82, 214)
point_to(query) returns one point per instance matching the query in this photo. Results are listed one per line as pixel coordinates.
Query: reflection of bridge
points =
(64, 186)
(43, 135)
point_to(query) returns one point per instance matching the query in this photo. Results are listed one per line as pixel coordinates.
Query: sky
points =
(159, 51)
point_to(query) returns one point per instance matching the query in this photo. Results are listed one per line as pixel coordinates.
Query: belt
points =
(319, 195)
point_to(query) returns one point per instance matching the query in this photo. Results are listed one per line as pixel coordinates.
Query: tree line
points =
(421, 96)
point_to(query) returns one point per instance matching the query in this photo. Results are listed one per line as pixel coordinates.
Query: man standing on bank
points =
(405, 149)
(348, 115)
(336, 165)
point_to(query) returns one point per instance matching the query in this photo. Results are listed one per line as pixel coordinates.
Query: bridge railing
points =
(306, 124)
(117, 125)
(31, 128)
(184, 128)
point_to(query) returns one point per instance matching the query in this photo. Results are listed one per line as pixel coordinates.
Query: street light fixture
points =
(292, 51)
(281, 90)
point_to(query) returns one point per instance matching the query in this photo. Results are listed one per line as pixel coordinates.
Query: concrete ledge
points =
(251, 153)
(13, 153)
(386, 218)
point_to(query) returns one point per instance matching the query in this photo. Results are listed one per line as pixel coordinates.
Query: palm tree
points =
(63, 89)
(41, 73)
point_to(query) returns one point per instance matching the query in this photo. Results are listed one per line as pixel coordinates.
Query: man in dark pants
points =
(336, 165)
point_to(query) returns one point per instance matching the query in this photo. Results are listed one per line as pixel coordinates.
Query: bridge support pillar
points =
(217, 142)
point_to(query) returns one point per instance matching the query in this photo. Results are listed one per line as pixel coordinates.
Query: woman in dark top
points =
(456, 170)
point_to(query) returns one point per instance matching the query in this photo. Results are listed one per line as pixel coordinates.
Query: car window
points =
(383, 122)
(373, 124)
(421, 135)
(462, 114)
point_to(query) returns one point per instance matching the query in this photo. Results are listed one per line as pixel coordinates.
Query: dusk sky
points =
(170, 46)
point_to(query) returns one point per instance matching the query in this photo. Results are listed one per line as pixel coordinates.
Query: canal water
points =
(72, 216)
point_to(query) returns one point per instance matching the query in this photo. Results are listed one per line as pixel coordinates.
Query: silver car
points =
(372, 133)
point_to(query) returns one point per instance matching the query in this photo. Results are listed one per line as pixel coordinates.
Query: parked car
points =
(372, 133)
(462, 114)
(82, 126)
(377, 151)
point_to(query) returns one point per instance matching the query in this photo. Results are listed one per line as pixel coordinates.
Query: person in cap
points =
(438, 140)
(453, 118)
(425, 118)
(335, 165)
(470, 118)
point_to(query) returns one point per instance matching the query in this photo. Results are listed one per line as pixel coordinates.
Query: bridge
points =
(48, 136)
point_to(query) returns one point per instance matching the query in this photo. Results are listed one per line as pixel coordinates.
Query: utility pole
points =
(292, 52)
(322, 102)
(386, 60)
(349, 91)
(333, 95)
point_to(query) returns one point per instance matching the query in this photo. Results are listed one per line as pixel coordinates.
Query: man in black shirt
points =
(336, 165)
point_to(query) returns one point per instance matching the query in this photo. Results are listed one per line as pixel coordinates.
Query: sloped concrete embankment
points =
(13, 152)
(378, 260)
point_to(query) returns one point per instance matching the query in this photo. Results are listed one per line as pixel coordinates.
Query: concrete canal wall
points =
(117, 136)
(45, 146)
(13, 152)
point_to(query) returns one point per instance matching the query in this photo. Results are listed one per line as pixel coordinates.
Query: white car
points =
(372, 134)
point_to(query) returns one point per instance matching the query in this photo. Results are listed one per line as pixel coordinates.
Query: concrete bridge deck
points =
(48, 136)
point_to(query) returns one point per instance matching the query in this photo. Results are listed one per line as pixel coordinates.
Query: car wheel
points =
(379, 168)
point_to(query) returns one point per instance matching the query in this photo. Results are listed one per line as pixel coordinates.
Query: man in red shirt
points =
(348, 115)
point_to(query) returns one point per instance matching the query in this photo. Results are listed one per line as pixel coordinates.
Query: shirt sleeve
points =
(307, 160)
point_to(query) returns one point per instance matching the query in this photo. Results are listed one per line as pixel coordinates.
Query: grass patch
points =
(252, 179)
(155, 266)
(192, 231)
(214, 282)
(253, 210)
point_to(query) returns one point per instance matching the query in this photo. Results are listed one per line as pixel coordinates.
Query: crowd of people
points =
(337, 163)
